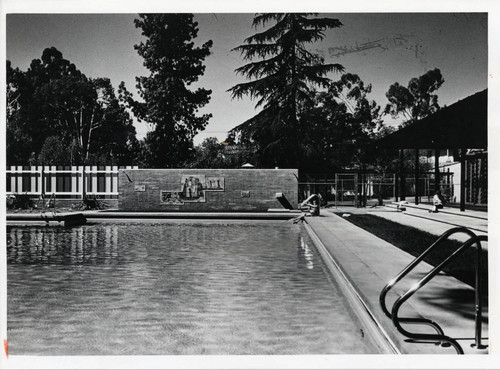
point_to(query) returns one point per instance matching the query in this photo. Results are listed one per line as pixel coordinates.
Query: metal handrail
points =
(415, 262)
(439, 337)
(397, 321)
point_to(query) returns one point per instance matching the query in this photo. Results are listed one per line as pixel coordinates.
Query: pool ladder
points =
(440, 338)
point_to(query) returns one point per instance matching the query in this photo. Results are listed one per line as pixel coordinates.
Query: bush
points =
(92, 202)
(20, 201)
(11, 201)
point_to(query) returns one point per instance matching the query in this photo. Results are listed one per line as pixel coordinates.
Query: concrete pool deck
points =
(435, 223)
(370, 263)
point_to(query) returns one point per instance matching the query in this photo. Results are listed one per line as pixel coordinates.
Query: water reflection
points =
(306, 254)
(59, 245)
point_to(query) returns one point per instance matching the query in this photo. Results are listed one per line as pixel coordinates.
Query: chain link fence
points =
(370, 189)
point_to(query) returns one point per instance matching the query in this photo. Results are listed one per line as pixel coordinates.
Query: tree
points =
(209, 154)
(281, 81)
(167, 103)
(55, 153)
(213, 154)
(341, 123)
(19, 142)
(383, 160)
(111, 133)
(52, 101)
(417, 100)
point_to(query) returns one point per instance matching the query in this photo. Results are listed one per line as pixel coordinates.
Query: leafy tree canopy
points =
(340, 124)
(53, 101)
(417, 100)
(213, 154)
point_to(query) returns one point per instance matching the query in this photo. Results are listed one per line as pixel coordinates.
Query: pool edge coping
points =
(375, 330)
(46, 218)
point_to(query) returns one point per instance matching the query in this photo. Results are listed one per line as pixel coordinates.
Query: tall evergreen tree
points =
(167, 102)
(282, 82)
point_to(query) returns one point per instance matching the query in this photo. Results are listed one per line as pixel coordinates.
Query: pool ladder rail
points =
(439, 338)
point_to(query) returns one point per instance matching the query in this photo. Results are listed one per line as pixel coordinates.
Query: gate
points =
(346, 189)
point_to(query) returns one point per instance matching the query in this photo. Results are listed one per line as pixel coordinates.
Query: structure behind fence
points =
(362, 189)
(64, 182)
(351, 189)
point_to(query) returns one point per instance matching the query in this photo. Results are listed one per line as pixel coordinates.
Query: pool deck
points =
(370, 263)
(435, 223)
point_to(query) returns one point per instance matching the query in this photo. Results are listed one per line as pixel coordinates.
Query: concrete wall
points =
(196, 190)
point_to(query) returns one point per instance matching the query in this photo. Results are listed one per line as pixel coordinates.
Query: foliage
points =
(167, 103)
(417, 100)
(209, 154)
(213, 154)
(54, 102)
(55, 153)
(92, 203)
(413, 103)
(11, 201)
(20, 201)
(18, 137)
(340, 124)
(282, 82)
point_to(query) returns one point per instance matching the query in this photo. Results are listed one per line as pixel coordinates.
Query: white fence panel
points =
(64, 181)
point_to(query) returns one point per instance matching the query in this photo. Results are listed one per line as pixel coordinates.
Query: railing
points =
(440, 337)
(64, 181)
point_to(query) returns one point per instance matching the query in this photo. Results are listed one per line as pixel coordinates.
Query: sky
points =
(382, 48)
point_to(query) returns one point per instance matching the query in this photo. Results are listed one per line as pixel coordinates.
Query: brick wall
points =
(205, 190)
(73, 203)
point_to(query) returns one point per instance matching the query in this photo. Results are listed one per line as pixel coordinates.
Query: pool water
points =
(174, 288)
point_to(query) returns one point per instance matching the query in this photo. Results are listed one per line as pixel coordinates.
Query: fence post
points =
(396, 186)
(19, 179)
(83, 183)
(94, 178)
(437, 174)
(53, 179)
(462, 180)
(42, 180)
(402, 174)
(33, 182)
(107, 179)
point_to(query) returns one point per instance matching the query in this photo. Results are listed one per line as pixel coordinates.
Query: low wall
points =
(197, 190)
(75, 203)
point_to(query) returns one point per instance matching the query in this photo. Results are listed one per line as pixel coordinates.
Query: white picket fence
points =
(70, 182)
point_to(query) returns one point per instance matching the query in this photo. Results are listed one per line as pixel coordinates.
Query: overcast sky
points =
(381, 47)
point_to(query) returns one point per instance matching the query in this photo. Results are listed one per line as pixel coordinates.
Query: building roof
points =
(463, 124)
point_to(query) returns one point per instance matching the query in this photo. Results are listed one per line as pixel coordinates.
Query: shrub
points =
(92, 202)
(21, 201)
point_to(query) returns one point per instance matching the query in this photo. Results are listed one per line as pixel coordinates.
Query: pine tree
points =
(168, 104)
(282, 82)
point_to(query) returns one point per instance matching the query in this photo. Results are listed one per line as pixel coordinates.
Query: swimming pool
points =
(179, 287)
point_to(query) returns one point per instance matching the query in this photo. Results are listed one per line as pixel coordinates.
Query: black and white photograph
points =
(271, 187)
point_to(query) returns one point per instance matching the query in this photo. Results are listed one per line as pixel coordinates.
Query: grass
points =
(415, 241)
